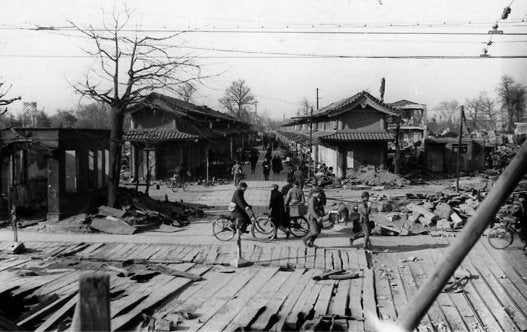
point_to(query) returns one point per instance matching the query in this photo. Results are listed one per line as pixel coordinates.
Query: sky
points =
(284, 50)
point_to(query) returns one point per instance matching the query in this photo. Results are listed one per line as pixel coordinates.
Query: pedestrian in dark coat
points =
(277, 165)
(278, 216)
(266, 166)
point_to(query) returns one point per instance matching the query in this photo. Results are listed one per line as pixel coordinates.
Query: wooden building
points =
(441, 154)
(346, 134)
(166, 132)
(57, 169)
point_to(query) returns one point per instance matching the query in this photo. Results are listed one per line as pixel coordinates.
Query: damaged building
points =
(346, 134)
(53, 171)
(167, 132)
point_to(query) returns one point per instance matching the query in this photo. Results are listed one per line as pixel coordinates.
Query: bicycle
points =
(501, 235)
(177, 182)
(224, 228)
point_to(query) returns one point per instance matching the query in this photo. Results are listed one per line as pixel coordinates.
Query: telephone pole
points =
(461, 117)
(318, 98)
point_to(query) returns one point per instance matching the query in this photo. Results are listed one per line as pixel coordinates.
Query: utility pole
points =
(310, 142)
(397, 147)
(318, 98)
(461, 117)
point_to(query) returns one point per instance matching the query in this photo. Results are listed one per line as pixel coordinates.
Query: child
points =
(364, 211)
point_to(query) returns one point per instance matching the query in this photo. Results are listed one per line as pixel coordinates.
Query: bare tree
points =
(513, 100)
(3, 100)
(474, 111)
(304, 108)
(237, 99)
(448, 110)
(489, 112)
(186, 91)
(129, 67)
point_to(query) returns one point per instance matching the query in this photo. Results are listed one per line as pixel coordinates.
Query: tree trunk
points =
(114, 173)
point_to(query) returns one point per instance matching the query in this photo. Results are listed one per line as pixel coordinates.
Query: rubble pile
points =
(369, 176)
(421, 213)
(141, 212)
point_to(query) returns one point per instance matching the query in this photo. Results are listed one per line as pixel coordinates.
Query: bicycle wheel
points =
(299, 227)
(263, 229)
(500, 237)
(174, 186)
(222, 230)
(184, 185)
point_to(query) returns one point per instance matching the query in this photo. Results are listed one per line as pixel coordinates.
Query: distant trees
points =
(305, 107)
(512, 96)
(238, 99)
(4, 101)
(186, 91)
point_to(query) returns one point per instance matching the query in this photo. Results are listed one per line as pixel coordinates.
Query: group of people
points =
(291, 194)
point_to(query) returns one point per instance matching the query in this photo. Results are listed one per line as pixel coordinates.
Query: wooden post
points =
(472, 232)
(92, 312)
(13, 222)
(310, 143)
(207, 153)
(239, 261)
(462, 115)
(397, 148)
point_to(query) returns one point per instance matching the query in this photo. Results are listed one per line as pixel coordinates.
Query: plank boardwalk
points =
(278, 292)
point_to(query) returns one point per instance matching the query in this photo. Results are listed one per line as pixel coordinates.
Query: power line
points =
(268, 31)
(263, 55)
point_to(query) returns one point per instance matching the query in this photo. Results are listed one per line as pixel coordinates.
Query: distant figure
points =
(299, 178)
(181, 172)
(266, 166)
(253, 160)
(278, 215)
(277, 164)
(237, 172)
(364, 211)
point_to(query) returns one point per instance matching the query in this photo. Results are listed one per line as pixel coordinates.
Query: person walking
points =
(237, 172)
(276, 205)
(298, 177)
(315, 214)
(277, 164)
(287, 187)
(253, 160)
(266, 166)
(241, 209)
(364, 212)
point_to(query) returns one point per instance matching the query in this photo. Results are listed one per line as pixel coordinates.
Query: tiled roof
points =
(359, 136)
(157, 135)
(356, 97)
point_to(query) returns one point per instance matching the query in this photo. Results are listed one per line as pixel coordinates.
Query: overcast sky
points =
(41, 65)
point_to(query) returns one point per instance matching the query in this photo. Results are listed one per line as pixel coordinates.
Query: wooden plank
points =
(101, 250)
(58, 284)
(51, 307)
(337, 260)
(154, 298)
(171, 255)
(212, 255)
(363, 262)
(276, 255)
(110, 211)
(301, 258)
(324, 297)
(320, 258)
(248, 301)
(340, 304)
(255, 254)
(163, 250)
(310, 258)
(304, 303)
(368, 299)
(267, 319)
(266, 255)
(329, 260)
(189, 257)
(32, 283)
(385, 303)
(353, 259)
(58, 315)
(292, 298)
(150, 251)
(216, 301)
(9, 264)
(90, 249)
(459, 315)
(200, 257)
(126, 302)
(112, 226)
(92, 312)
(495, 305)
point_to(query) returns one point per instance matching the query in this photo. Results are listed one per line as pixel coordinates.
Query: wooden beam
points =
(93, 309)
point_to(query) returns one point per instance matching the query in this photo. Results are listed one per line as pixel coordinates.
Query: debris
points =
(443, 210)
(384, 207)
(109, 211)
(409, 259)
(444, 224)
(326, 275)
(371, 177)
(163, 228)
(26, 223)
(16, 248)
(120, 271)
(112, 226)
(176, 273)
(456, 220)
(344, 276)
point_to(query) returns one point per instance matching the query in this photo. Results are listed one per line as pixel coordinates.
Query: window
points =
(106, 165)
(71, 171)
(91, 159)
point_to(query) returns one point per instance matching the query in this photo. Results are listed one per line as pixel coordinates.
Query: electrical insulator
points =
(489, 43)
(495, 26)
(506, 12)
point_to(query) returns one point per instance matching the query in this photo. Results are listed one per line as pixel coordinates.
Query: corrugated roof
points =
(157, 135)
(359, 136)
